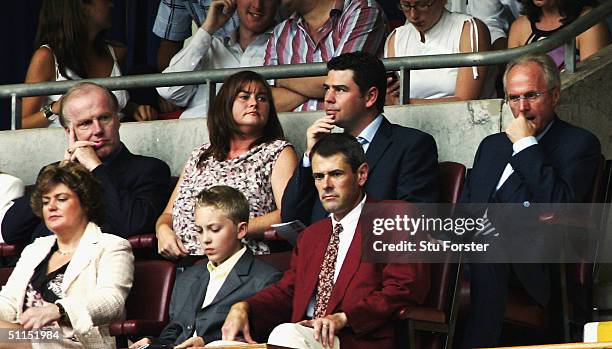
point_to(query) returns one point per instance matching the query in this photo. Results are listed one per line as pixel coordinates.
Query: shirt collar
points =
(227, 265)
(110, 158)
(352, 216)
(539, 137)
(369, 132)
(232, 38)
(336, 10)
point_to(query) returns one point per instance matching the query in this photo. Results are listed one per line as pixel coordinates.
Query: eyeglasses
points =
(530, 96)
(420, 5)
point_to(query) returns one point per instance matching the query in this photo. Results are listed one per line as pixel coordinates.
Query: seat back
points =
(5, 273)
(451, 176)
(280, 260)
(149, 298)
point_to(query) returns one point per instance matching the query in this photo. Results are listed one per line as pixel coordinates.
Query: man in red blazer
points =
(358, 308)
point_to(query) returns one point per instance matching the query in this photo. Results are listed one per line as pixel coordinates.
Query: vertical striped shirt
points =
(353, 25)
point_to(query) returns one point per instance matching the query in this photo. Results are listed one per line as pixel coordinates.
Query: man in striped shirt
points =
(316, 31)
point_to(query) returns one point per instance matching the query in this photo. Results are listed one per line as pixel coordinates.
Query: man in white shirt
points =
(244, 47)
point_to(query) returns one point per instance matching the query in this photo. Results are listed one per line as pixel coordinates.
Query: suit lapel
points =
(118, 164)
(83, 254)
(548, 144)
(234, 278)
(380, 143)
(496, 169)
(551, 140)
(198, 290)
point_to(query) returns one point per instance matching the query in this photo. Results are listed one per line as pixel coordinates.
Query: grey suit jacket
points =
(247, 277)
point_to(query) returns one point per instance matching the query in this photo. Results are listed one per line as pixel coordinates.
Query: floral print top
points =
(251, 173)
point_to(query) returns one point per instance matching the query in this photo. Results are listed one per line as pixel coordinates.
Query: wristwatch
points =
(47, 111)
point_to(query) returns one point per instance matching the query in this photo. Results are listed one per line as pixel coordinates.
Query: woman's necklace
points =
(64, 253)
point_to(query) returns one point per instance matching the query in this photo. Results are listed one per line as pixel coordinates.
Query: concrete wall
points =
(457, 127)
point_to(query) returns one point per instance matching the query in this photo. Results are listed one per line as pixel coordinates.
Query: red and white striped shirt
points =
(353, 25)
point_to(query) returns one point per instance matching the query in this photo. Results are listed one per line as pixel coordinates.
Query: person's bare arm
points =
(592, 40)
(281, 173)
(311, 87)
(41, 69)
(167, 50)
(519, 32)
(237, 321)
(286, 100)
(393, 87)
(169, 244)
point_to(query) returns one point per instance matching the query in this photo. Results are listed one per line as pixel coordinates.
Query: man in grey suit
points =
(204, 293)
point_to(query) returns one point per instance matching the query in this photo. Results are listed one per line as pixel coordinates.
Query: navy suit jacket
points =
(248, 276)
(559, 169)
(135, 190)
(403, 165)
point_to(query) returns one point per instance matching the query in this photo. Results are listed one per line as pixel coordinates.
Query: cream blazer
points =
(95, 286)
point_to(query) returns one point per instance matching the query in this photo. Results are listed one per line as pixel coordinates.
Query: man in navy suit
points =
(135, 187)
(539, 158)
(403, 161)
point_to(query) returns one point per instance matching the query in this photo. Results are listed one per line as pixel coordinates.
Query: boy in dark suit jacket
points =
(204, 293)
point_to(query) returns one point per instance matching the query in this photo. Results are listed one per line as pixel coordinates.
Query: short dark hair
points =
(340, 143)
(76, 177)
(221, 124)
(82, 88)
(227, 199)
(569, 10)
(368, 71)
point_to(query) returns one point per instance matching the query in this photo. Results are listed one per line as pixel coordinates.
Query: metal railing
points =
(565, 36)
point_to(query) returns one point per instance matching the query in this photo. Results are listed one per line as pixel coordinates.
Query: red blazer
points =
(369, 293)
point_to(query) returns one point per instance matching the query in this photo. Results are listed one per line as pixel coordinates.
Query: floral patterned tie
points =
(326, 276)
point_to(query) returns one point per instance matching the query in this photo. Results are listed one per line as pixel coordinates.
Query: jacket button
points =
(526, 204)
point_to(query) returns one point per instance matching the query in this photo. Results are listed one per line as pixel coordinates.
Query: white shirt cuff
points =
(305, 161)
(523, 144)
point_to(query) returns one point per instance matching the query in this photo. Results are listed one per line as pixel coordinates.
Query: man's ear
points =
(241, 230)
(371, 96)
(555, 95)
(362, 174)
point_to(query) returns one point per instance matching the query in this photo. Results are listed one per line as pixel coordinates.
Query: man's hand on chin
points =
(520, 127)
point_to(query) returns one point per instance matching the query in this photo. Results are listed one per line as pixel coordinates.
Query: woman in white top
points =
(71, 46)
(432, 30)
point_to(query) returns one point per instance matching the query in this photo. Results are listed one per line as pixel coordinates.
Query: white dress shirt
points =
(209, 52)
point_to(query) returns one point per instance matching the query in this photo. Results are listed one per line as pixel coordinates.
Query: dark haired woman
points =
(246, 151)
(71, 46)
(542, 18)
(76, 280)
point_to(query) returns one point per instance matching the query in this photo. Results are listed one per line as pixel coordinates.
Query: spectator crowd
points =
(214, 221)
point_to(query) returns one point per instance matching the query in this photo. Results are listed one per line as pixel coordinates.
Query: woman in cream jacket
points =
(75, 281)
